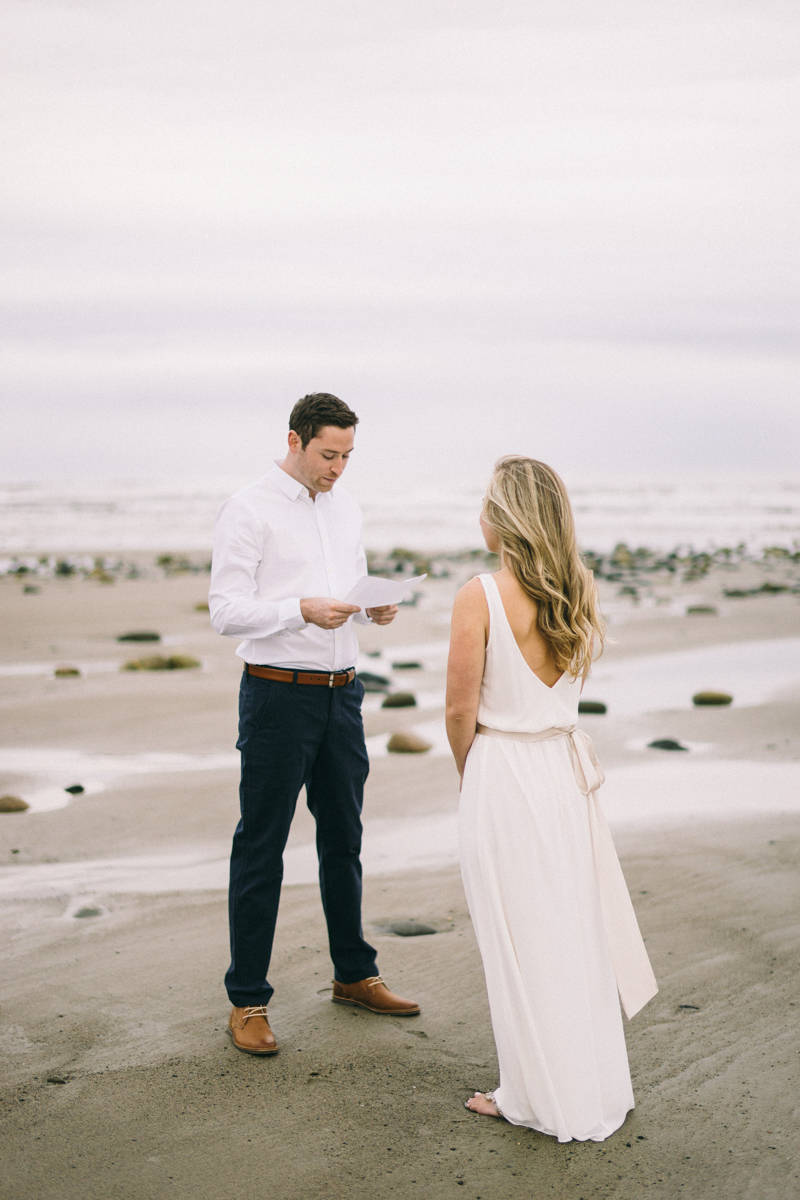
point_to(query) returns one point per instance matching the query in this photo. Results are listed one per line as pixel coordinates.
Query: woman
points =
(551, 911)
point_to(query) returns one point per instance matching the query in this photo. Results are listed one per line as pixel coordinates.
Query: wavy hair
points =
(528, 508)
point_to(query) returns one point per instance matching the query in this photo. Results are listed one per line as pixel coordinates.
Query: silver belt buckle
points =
(330, 679)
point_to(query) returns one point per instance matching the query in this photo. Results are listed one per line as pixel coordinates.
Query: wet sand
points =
(128, 1005)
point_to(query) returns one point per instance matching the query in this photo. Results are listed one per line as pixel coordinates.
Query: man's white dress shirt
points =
(273, 547)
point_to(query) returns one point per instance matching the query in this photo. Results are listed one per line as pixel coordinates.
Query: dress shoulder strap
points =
(497, 614)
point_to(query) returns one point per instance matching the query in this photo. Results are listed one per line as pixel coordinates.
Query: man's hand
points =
(384, 615)
(327, 613)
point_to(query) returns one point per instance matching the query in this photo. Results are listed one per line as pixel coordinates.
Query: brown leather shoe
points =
(249, 1028)
(374, 995)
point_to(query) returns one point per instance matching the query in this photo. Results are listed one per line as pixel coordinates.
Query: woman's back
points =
(522, 614)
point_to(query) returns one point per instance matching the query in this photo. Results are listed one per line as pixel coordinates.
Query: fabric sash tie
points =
(636, 982)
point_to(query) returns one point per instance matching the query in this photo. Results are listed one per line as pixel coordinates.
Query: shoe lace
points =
(255, 1010)
(375, 980)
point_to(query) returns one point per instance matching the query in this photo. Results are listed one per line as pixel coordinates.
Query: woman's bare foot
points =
(481, 1103)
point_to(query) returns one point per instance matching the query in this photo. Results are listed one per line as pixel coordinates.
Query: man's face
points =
(320, 464)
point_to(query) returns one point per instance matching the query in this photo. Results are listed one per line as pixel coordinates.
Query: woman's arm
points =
(468, 637)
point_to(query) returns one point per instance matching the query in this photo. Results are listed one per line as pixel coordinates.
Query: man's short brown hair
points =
(317, 410)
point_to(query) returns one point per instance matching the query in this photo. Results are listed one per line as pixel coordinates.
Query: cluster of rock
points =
(626, 566)
(99, 568)
(768, 588)
(402, 561)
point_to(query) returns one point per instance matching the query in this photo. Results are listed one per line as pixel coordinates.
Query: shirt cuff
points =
(289, 614)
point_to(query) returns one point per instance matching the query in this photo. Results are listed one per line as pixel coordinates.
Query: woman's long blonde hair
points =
(528, 508)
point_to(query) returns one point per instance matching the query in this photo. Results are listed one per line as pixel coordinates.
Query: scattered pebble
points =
(400, 700)
(407, 742)
(706, 610)
(30, 590)
(57, 1078)
(702, 699)
(157, 662)
(65, 672)
(75, 789)
(592, 706)
(140, 635)
(410, 929)
(666, 744)
(13, 804)
(406, 666)
(89, 910)
(693, 1007)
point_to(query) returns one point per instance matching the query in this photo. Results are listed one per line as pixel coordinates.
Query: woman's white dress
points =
(548, 900)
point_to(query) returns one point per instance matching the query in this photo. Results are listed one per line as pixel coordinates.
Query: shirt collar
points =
(291, 486)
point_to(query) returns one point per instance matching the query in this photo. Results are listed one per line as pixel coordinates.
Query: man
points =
(286, 549)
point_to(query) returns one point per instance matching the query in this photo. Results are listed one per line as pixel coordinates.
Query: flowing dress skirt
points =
(531, 885)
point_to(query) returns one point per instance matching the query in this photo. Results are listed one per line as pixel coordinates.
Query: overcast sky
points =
(558, 227)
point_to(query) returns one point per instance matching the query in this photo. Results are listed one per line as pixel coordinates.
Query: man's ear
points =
(295, 442)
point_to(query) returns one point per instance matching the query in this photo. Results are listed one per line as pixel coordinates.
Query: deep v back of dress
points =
(513, 697)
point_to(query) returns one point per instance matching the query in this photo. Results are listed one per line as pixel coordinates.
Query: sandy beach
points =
(125, 1004)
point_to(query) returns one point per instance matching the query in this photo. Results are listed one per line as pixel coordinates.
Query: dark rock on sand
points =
(140, 635)
(768, 588)
(89, 910)
(702, 610)
(410, 929)
(666, 744)
(592, 706)
(406, 666)
(57, 1078)
(702, 699)
(400, 700)
(13, 804)
(374, 683)
(75, 789)
(66, 672)
(182, 662)
(407, 742)
(157, 662)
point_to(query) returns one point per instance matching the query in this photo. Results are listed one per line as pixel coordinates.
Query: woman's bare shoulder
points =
(471, 599)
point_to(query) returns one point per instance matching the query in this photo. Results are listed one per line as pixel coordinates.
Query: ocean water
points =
(660, 513)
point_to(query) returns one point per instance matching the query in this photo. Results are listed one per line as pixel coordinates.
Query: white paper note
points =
(372, 591)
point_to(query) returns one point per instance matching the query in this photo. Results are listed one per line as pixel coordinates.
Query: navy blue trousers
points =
(290, 735)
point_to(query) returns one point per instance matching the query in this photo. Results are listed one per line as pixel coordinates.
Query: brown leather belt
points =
(331, 680)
